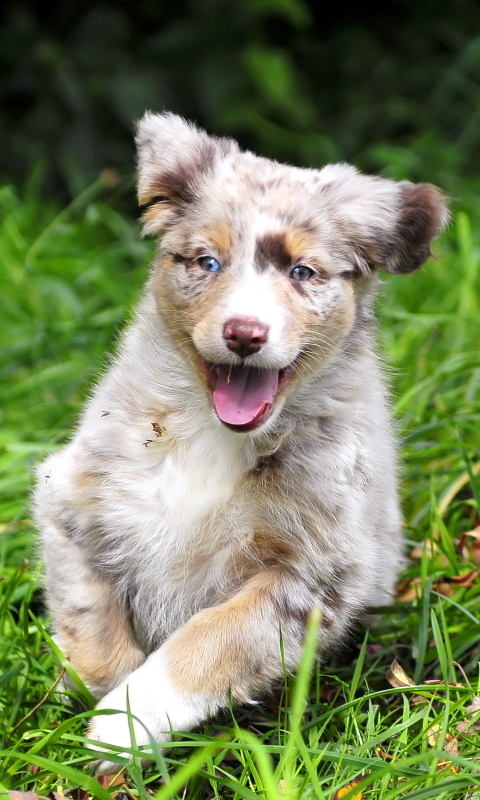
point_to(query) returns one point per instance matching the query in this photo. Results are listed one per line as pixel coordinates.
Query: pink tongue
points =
(242, 394)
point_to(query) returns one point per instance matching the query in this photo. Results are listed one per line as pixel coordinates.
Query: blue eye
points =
(209, 264)
(302, 273)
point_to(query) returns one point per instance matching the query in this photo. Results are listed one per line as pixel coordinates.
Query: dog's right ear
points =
(174, 156)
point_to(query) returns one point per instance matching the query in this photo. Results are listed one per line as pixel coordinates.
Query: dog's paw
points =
(156, 706)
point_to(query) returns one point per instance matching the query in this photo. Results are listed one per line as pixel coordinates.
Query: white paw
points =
(157, 707)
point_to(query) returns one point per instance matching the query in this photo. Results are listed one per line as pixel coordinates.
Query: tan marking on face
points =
(221, 236)
(182, 312)
(153, 216)
(299, 243)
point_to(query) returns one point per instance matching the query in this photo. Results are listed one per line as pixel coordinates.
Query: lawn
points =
(398, 713)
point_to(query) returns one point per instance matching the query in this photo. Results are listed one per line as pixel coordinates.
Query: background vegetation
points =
(392, 87)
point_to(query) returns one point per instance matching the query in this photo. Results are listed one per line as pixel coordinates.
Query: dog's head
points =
(261, 265)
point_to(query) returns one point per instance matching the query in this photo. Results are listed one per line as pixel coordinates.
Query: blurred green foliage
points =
(393, 87)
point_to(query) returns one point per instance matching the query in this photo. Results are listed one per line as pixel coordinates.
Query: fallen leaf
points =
(77, 794)
(440, 683)
(469, 545)
(25, 796)
(450, 746)
(431, 547)
(409, 589)
(383, 754)
(418, 698)
(468, 727)
(467, 579)
(474, 706)
(444, 588)
(107, 781)
(349, 788)
(329, 692)
(373, 649)
(397, 677)
(444, 763)
(433, 552)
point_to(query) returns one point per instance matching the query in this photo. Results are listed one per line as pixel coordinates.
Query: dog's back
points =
(235, 466)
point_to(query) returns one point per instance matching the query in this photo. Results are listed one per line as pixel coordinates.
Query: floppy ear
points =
(173, 157)
(390, 224)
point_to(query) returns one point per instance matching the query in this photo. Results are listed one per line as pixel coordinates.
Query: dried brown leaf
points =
(373, 649)
(450, 745)
(433, 552)
(107, 781)
(442, 684)
(466, 579)
(329, 692)
(444, 588)
(77, 794)
(474, 706)
(349, 788)
(25, 796)
(467, 727)
(397, 677)
(383, 754)
(469, 545)
(409, 589)
(444, 763)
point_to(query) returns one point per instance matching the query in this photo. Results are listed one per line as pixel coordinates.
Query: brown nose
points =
(245, 335)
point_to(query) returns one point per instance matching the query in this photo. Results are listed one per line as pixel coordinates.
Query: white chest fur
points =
(172, 514)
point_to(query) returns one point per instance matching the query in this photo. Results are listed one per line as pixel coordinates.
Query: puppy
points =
(235, 466)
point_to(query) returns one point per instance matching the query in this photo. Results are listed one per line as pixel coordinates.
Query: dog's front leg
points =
(91, 623)
(230, 650)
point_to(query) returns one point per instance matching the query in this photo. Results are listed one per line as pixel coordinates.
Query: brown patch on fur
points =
(215, 652)
(288, 611)
(284, 249)
(221, 236)
(333, 605)
(270, 550)
(422, 216)
(179, 185)
(271, 249)
(101, 657)
(87, 480)
(420, 221)
(154, 216)
(332, 599)
(298, 243)
(266, 464)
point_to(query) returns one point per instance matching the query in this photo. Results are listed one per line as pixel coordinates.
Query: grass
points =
(68, 281)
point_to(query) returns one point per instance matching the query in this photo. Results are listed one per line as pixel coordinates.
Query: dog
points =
(235, 467)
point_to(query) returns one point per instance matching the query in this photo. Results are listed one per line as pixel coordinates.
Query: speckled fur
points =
(171, 538)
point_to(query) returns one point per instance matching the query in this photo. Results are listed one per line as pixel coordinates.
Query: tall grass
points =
(68, 280)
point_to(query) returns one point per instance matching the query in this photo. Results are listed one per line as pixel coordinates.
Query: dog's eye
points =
(209, 264)
(302, 273)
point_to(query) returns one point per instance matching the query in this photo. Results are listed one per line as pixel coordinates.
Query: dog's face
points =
(261, 266)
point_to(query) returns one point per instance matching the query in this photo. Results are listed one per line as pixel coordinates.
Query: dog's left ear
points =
(422, 214)
(174, 156)
(390, 224)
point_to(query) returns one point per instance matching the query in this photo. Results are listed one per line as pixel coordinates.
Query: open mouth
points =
(243, 397)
